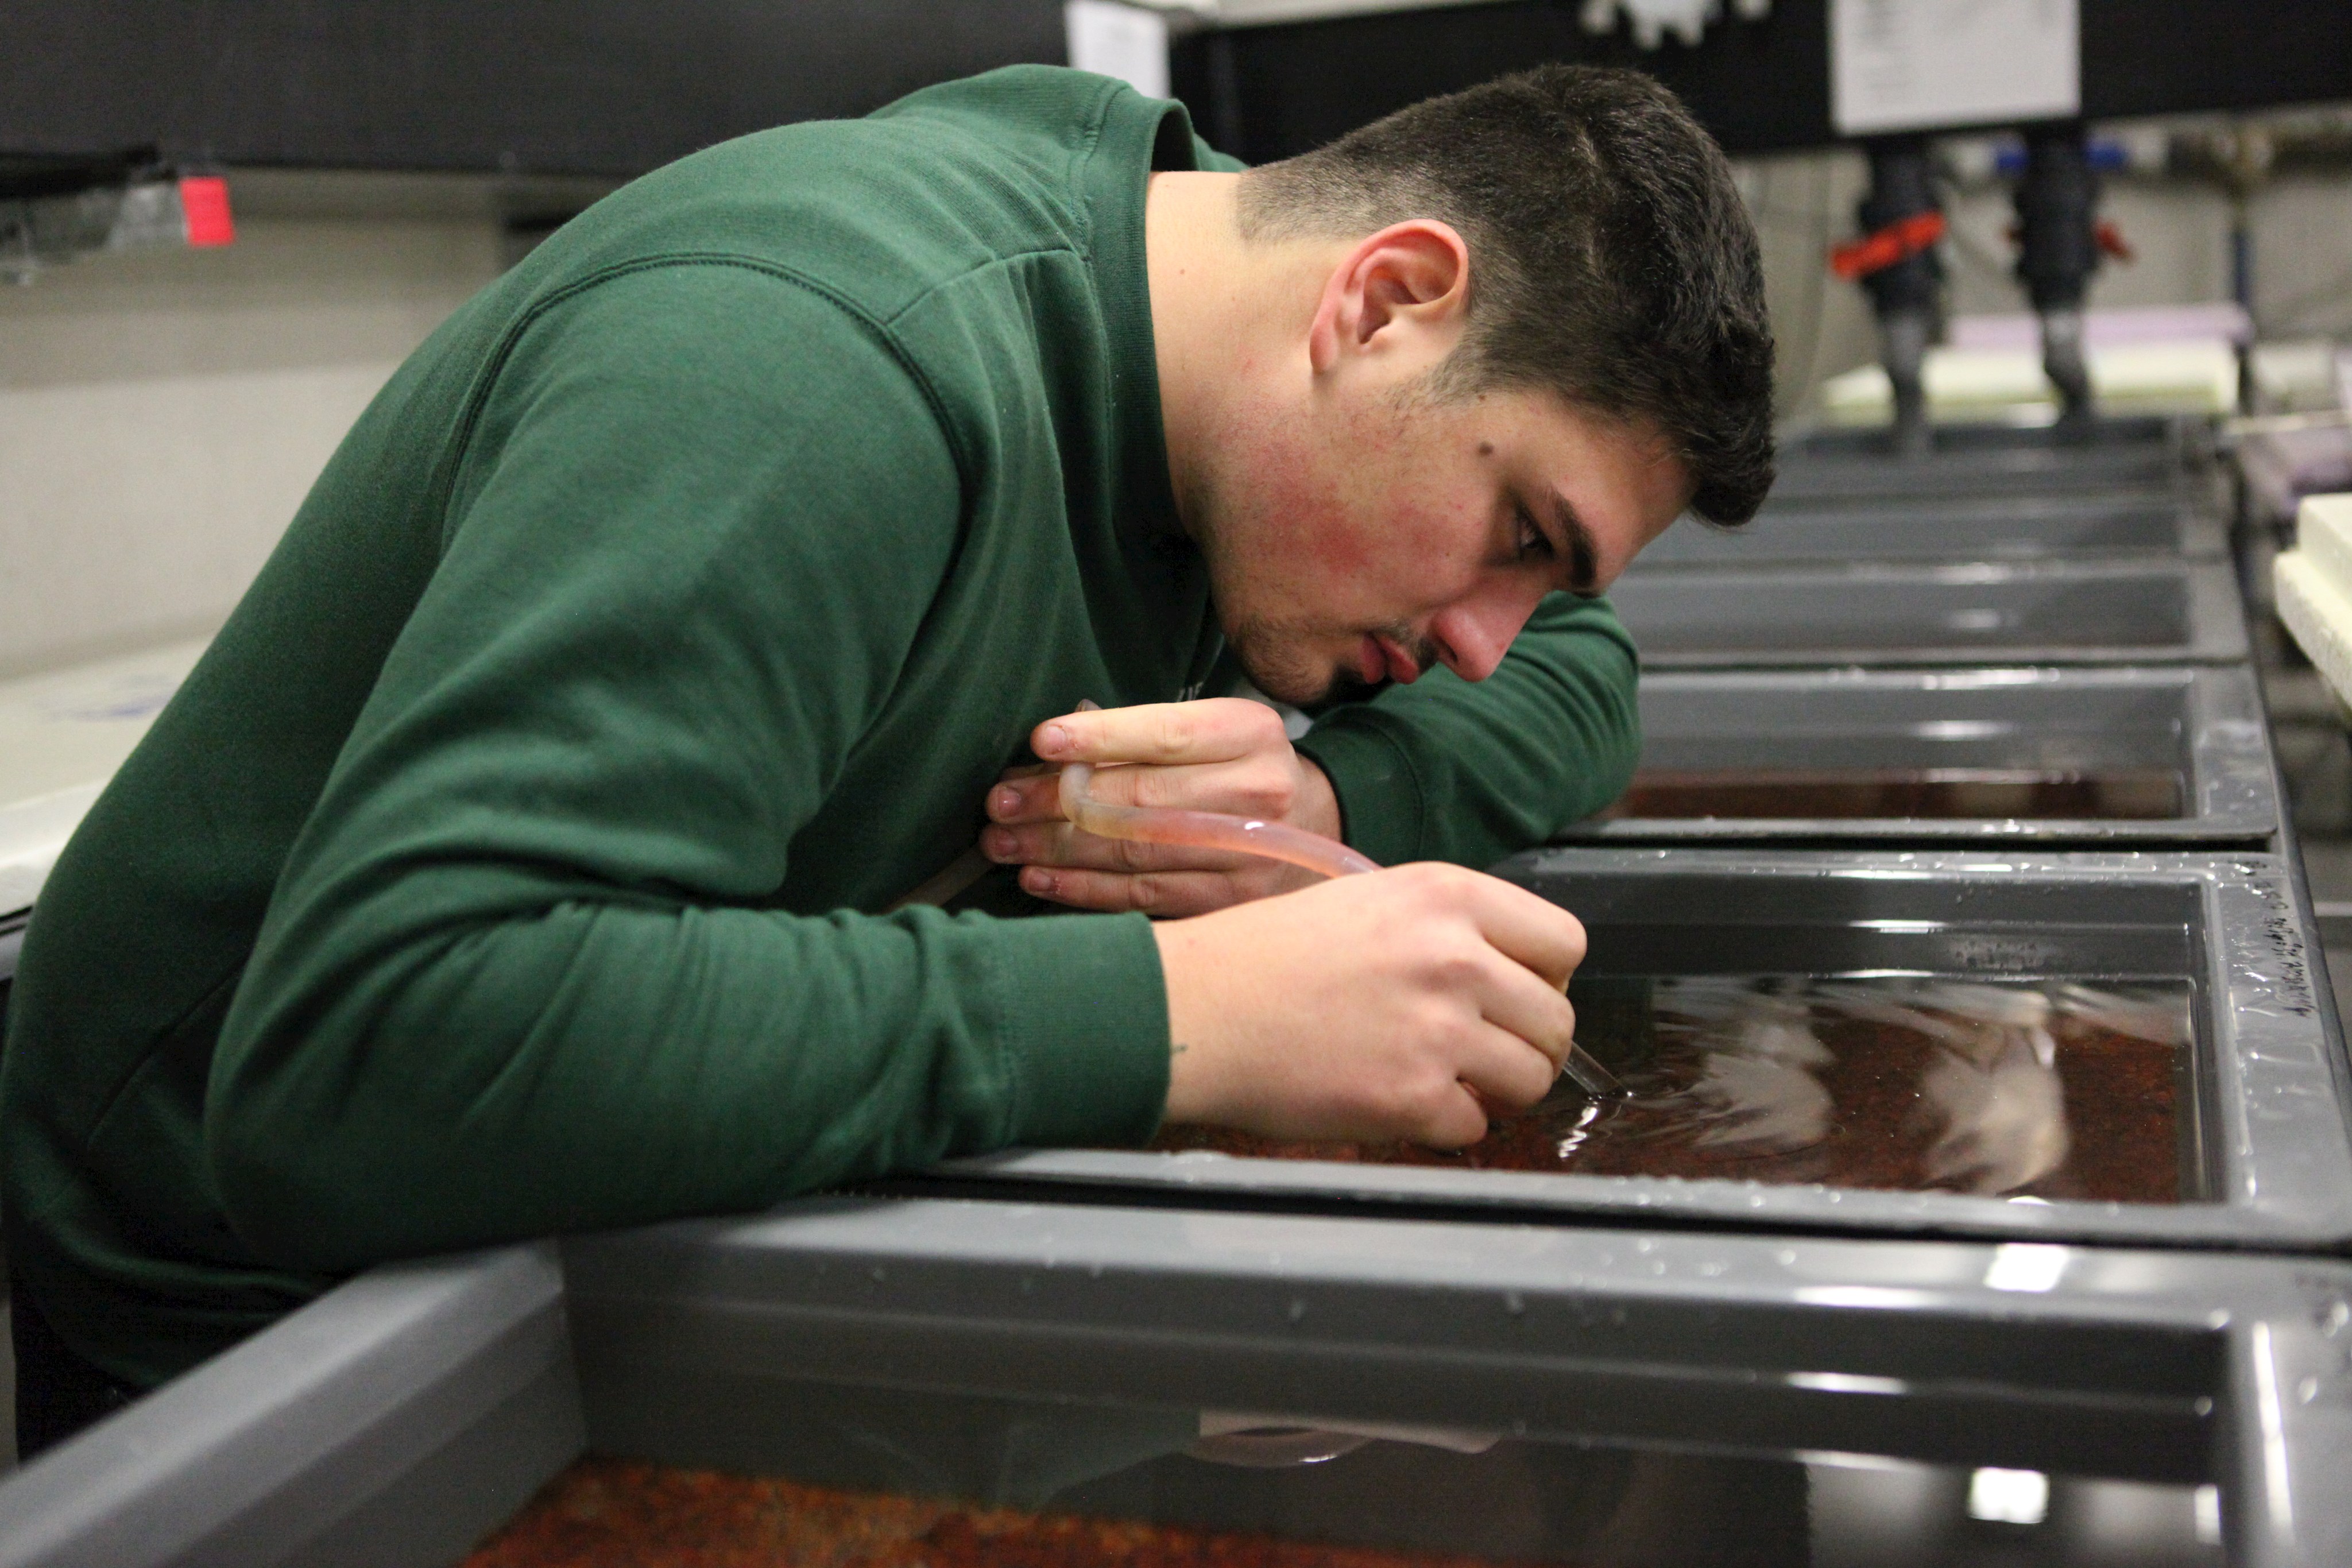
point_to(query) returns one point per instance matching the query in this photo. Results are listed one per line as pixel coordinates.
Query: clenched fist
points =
(1403, 1004)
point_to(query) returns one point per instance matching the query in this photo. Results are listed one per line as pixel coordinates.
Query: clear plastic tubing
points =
(1253, 836)
(1205, 830)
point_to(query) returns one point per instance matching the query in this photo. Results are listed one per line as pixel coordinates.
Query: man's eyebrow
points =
(1583, 561)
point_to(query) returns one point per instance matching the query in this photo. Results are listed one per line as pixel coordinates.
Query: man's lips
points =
(1386, 660)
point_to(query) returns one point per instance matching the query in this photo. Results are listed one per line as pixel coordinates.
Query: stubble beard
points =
(1280, 665)
(1280, 659)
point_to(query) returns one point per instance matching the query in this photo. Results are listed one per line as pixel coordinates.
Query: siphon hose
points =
(1252, 836)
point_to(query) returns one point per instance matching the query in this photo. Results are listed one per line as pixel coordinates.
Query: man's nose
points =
(1473, 635)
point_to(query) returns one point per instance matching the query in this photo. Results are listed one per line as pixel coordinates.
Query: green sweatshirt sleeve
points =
(524, 972)
(1465, 771)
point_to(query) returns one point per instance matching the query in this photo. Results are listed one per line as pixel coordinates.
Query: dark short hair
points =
(1612, 260)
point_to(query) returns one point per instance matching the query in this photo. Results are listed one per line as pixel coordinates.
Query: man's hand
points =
(1397, 1005)
(1224, 754)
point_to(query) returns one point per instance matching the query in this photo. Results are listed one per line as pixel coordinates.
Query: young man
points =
(522, 857)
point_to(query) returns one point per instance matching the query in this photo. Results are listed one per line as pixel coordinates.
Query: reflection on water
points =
(2048, 1088)
(2143, 794)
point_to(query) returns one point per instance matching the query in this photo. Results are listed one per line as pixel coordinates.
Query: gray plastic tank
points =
(1987, 459)
(1493, 1388)
(2109, 521)
(2129, 756)
(2251, 1148)
(1890, 614)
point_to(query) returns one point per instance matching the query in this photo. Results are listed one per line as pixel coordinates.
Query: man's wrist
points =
(1316, 806)
(1193, 1092)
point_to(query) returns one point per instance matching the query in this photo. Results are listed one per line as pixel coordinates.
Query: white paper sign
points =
(1924, 65)
(1122, 41)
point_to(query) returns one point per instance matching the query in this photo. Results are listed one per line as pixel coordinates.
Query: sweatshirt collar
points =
(1140, 136)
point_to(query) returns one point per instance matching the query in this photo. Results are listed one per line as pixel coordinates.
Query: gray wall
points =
(162, 412)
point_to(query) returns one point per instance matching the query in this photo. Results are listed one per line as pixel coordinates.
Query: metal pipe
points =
(2058, 250)
(1906, 293)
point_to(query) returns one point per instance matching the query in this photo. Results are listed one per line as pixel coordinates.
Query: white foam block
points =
(2314, 584)
(2323, 532)
(2196, 378)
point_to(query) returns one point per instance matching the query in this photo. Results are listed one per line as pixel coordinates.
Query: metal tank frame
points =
(398, 1419)
(2110, 522)
(1993, 459)
(1894, 616)
(2205, 722)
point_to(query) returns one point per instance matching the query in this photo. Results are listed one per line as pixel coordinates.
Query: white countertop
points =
(62, 735)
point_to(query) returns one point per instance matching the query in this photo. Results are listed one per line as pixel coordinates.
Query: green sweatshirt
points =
(515, 863)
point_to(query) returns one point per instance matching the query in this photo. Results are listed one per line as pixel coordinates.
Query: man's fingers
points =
(1497, 1075)
(1224, 754)
(1522, 1004)
(1258, 786)
(1459, 1123)
(1170, 894)
(1059, 844)
(1015, 802)
(1218, 729)
(1528, 930)
(1508, 1071)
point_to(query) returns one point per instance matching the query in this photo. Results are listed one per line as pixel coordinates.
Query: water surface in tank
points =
(2054, 1090)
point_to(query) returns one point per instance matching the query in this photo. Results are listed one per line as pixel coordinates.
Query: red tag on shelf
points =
(204, 199)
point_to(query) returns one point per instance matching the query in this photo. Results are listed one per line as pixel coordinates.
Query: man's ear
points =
(1409, 281)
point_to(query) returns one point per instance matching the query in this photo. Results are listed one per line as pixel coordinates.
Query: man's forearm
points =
(378, 1095)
